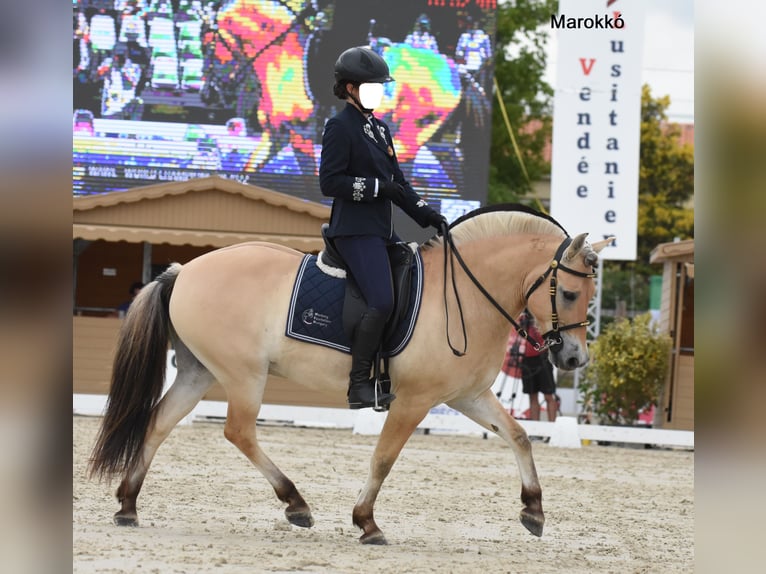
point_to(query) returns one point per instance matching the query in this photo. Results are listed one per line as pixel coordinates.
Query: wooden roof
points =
(682, 251)
(210, 211)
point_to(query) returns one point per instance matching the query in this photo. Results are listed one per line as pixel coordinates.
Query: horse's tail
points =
(138, 376)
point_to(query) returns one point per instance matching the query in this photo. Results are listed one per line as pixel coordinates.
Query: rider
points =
(359, 170)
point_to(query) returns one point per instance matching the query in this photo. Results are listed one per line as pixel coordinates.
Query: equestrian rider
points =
(359, 170)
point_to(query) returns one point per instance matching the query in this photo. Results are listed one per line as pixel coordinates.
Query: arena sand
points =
(450, 504)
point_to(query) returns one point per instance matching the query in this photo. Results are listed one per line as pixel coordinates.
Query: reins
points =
(550, 338)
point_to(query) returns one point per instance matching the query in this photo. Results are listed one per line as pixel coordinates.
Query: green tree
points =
(665, 188)
(520, 63)
(628, 367)
(666, 179)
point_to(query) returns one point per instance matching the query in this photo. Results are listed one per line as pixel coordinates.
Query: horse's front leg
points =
(400, 424)
(489, 413)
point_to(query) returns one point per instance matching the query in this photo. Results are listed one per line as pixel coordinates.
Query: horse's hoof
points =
(121, 520)
(302, 519)
(532, 523)
(376, 538)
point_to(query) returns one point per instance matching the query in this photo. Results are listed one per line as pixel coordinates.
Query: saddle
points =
(400, 256)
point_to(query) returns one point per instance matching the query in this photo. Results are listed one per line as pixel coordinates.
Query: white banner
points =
(597, 120)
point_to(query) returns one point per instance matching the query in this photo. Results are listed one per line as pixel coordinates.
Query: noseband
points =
(552, 337)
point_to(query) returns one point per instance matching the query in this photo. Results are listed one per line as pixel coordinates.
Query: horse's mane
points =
(502, 219)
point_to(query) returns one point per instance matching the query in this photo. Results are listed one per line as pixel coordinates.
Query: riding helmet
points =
(360, 65)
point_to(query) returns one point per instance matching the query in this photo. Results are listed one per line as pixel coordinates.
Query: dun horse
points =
(225, 314)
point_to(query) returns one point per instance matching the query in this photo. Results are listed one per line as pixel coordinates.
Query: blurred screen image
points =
(169, 90)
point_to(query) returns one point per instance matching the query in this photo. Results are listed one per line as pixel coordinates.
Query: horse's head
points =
(559, 297)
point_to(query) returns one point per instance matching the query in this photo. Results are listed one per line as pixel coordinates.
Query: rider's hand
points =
(437, 220)
(392, 191)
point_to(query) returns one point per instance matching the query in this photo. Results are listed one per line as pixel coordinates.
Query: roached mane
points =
(494, 220)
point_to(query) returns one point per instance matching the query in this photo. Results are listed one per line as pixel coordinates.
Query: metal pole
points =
(592, 330)
(594, 308)
(79, 245)
(146, 271)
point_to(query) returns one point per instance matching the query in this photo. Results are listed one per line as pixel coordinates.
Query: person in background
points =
(537, 373)
(122, 309)
(359, 170)
(474, 52)
(421, 36)
(81, 38)
(120, 80)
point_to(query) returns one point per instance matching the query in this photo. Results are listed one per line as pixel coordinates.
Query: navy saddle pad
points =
(316, 309)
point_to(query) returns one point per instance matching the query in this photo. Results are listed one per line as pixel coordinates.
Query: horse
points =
(225, 314)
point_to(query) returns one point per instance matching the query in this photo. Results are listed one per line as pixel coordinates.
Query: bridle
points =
(551, 338)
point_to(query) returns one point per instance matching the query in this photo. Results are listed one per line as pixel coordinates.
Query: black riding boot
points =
(364, 347)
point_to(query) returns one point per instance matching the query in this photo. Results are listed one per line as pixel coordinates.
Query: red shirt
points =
(529, 349)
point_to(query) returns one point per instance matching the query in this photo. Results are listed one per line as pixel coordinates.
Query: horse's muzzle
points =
(568, 356)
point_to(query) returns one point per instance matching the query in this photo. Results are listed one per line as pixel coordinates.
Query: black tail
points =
(138, 376)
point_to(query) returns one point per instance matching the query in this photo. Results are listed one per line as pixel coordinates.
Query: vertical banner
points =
(597, 120)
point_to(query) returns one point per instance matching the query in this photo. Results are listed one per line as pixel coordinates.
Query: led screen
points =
(170, 90)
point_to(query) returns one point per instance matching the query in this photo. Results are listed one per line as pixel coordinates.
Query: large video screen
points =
(169, 90)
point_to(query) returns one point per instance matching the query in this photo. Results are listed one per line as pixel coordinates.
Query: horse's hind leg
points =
(240, 430)
(489, 413)
(192, 382)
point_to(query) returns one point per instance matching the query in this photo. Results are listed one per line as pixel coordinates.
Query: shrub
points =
(629, 363)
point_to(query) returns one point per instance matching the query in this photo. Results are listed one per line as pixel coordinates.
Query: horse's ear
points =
(599, 245)
(575, 247)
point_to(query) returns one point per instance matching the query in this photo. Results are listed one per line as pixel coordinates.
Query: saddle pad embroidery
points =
(315, 314)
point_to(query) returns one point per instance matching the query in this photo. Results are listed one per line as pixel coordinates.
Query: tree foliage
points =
(629, 363)
(666, 179)
(520, 64)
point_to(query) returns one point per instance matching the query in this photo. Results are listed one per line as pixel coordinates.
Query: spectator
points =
(122, 309)
(537, 373)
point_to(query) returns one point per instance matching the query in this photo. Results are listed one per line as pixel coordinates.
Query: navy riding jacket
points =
(355, 153)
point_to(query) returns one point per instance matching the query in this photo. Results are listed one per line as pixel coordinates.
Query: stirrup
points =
(383, 389)
(379, 406)
(379, 401)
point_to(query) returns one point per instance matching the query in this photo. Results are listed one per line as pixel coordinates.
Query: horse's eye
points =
(569, 295)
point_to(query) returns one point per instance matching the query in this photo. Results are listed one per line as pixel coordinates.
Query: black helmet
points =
(360, 65)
